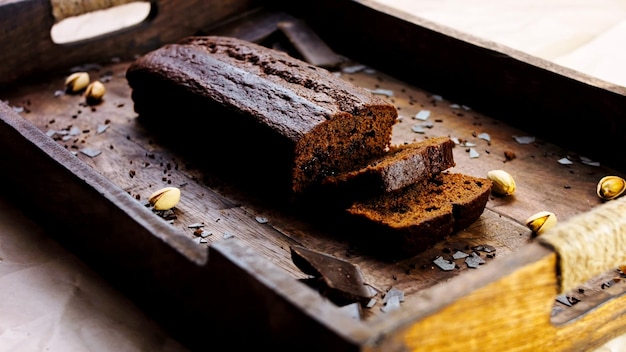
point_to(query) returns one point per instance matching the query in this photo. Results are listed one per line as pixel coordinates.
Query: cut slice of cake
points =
(413, 219)
(401, 166)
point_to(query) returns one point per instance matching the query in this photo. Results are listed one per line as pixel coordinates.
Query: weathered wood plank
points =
(511, 312)
(543, 184)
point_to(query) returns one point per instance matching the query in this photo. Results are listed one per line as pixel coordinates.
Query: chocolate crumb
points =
(509, 155)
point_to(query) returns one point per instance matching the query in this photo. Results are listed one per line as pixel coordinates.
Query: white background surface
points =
(585, 35)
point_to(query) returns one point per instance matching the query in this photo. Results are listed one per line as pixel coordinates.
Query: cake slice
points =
(401, 166)
(302, 121)
(414, 219)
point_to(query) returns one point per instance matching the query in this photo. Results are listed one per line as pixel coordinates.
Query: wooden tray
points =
(241, 278)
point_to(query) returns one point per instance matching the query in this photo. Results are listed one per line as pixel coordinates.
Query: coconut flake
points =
(460, 255)
(588, 161)
(353, 68)
(101, 128)
(418, 129)
(90, 152)
(380, 91)
(565, 161)
(391, 305)
(422, 115)
(485, 136)
(524, 139)
(74, 131)
(394, 292)
(443, 264)
(474, 260)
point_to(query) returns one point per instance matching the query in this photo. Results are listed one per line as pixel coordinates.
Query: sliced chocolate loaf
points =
(414, 219)
(401, 166)
(303, 121)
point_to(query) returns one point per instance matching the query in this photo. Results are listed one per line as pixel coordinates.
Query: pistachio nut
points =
(611, 187)
(165, 198)
(77, 81)
(95, 91)
(503, 182)
(541, 221)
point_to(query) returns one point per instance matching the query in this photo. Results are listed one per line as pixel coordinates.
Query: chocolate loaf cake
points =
(311, 123)
(266, 113)
(420, 215)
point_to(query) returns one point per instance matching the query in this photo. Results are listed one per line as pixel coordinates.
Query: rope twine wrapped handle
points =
(589, 244)
(62, 9)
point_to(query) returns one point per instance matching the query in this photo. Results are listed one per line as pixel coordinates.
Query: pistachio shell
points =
(503, 182)
(611, 187)
(95, 91)
(541, 221)
(77, 81)
(165, 198)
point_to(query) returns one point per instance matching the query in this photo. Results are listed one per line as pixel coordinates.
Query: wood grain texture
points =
(488, 316)
(505, 314)
(520, 279)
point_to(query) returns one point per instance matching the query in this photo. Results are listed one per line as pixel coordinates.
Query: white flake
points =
(422, 115)
(565, 161)
(380, 91)
(524, 139)
(485, 136)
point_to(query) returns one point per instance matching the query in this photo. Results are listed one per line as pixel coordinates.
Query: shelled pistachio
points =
(541, 221)
(611, 187)
(77, 81)
(165, 198)
(503, 182)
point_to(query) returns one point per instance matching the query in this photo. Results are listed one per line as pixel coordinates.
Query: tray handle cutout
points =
(62, 9)
(73, 20)
(589, 244)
